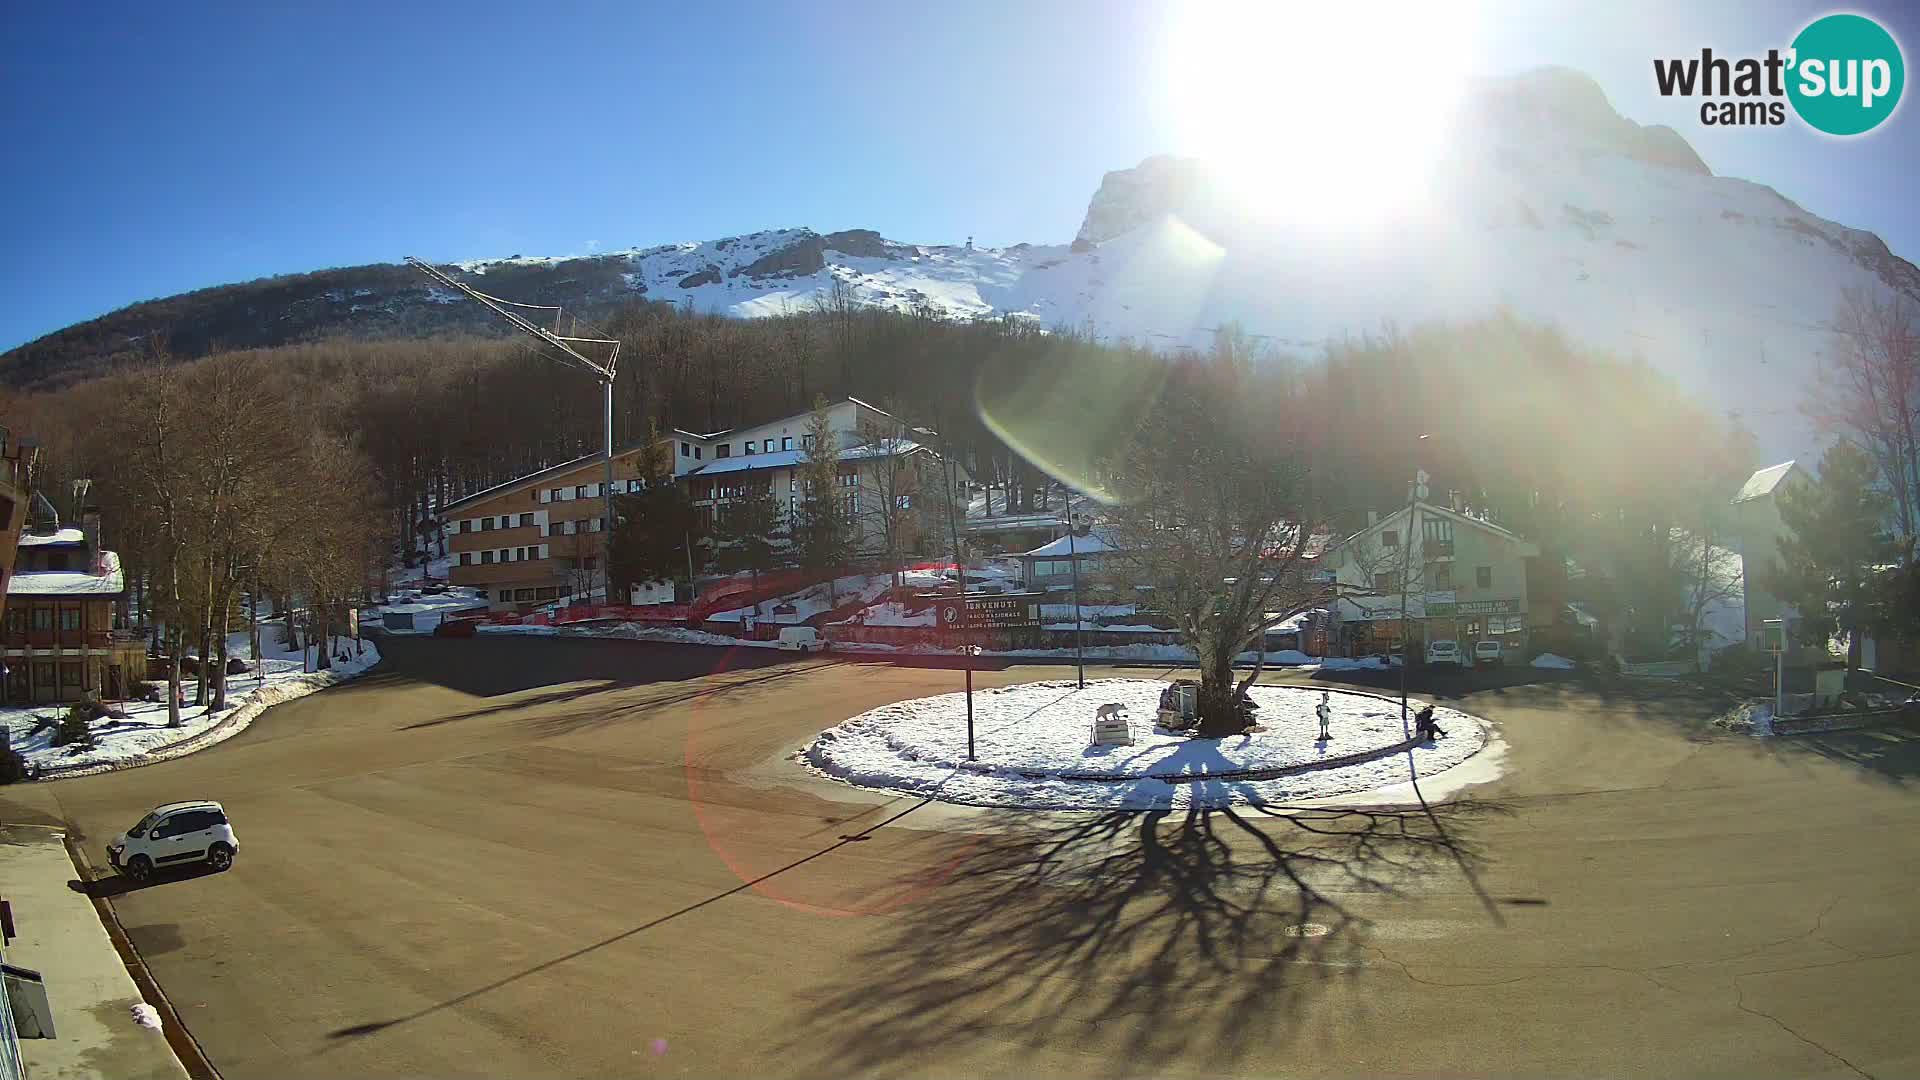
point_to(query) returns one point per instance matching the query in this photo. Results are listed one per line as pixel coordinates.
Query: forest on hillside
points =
(1596, 457)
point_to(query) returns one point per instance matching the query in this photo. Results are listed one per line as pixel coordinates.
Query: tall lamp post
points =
(1416, 491)
(567, 354)
(1079, 626)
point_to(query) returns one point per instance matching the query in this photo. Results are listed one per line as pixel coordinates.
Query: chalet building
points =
(1459, 577)
(64, 631)
(540, 537)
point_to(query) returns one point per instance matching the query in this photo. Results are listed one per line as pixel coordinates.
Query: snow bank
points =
(144, 737)
(1032, 749)
(1552, 662)
(632, 631)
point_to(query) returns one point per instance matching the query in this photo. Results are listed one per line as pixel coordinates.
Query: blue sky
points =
(154, 150)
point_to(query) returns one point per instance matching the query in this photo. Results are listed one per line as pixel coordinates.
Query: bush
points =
(13, 766)
(73, 730)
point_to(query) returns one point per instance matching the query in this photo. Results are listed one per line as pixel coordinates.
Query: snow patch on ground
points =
(144, 737)
(1553, 662)
(1032, 749)
(145, 1015)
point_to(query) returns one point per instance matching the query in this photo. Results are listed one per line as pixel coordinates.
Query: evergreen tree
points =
(657, 527)
(749, 534)
(1828, 566)
(822, 528)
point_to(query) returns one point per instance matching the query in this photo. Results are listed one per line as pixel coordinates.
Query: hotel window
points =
(1483, 577)
(1443, 577)
(749, 447)
(486, 556)
(43, 618)
(723, 450)
(580, 491)
(70, 674)
(685, 450)
(466, 558)
(1386, 583)
(526, 519)
(523, 594)
(786, 442)
(696, 453)
(1390, 538)
(506, 521)
(486, 524)
(70, 618)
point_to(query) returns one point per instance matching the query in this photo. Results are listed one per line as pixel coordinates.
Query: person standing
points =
(1324, 711)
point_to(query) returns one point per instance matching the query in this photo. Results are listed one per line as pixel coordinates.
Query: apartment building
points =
(539, 538)
(883, 469)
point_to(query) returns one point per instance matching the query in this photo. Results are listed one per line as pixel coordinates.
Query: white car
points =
(1486, 654)
(1444, 652)
(176, 834)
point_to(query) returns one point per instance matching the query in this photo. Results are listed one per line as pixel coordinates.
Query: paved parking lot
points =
(540, 857)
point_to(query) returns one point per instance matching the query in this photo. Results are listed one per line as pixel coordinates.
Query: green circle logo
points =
(1847, 74)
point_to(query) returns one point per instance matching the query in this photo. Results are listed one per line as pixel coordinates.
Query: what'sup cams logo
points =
(1843, 75)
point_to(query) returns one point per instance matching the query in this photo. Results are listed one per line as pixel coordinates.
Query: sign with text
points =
(1003, 610)
(1475, 607)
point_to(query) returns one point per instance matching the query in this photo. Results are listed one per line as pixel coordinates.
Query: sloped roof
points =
(535, 477)
(780, 458)
(61, 536)
(1763, 483)
(109, 582)
(1091, 544)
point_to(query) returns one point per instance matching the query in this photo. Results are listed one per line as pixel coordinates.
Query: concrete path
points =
(92, 995)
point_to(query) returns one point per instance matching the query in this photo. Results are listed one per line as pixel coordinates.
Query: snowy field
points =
(144, 737)
(1032, 745)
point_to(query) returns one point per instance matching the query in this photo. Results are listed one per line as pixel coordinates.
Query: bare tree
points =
(1221, 517)
(1868, 393)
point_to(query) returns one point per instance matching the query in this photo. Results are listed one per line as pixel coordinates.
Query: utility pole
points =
(566, 354)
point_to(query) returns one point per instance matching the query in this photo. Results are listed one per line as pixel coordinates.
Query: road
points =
(582, 858)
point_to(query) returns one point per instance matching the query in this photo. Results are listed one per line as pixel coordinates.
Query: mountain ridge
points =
(1547, 203)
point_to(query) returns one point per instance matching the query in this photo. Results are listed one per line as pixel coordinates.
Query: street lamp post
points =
(1415, 492)
(1079, 627)
(567, 354)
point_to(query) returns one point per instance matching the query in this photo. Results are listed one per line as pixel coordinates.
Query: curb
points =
(1270, 773)
(237, 720)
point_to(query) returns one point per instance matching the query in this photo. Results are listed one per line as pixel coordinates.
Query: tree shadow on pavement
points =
(1196, 935)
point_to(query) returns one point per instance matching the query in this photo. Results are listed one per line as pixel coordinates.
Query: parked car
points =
(455, 628)
(1486, 654)
(175, 834)
(1444, 652)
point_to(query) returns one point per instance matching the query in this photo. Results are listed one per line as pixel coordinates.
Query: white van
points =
(801, 638)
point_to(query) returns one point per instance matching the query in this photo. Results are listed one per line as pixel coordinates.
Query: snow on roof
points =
(534, 477)
(62, 536)
(1763, 482)
(109, 582)
(1091, 544)
(780, 458)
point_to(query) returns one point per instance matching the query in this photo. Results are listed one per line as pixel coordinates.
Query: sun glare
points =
(1321, 112)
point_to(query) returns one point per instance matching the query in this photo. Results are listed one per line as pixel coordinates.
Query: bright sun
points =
(1319, 112)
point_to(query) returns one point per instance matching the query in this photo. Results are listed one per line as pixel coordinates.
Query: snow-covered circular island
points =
(1032, 748)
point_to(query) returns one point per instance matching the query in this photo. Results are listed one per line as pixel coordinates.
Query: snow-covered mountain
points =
(1547, 202)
